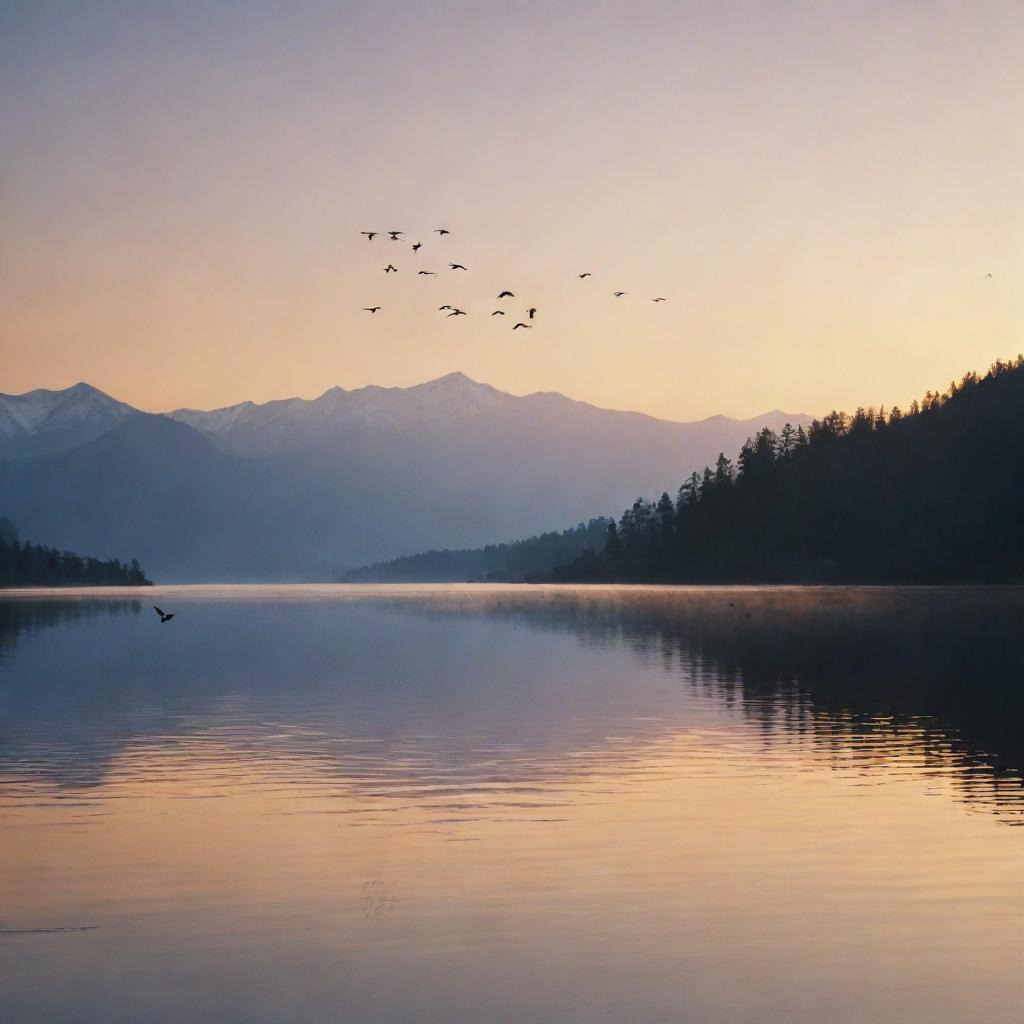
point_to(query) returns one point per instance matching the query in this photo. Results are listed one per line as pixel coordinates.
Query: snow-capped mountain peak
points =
(44, 421)
(273, 426)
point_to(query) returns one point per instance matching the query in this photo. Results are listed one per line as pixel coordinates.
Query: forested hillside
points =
(33, 565)
(512, 561)
(932, 494)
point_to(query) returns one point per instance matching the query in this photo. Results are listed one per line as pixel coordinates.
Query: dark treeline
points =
(514, 561)
(932, 494)
(32, 565)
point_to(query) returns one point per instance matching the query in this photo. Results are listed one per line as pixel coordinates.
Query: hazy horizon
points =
(820, 192)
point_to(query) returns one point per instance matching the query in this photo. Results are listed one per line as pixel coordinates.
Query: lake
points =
(512, 804)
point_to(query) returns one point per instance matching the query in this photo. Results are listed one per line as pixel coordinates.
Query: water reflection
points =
(883, 669)
(512, 804)
(864, 675)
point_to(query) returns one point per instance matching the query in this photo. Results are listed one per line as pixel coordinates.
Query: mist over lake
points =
(394, 804)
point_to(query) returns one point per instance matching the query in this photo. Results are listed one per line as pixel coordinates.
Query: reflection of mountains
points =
(874, 674)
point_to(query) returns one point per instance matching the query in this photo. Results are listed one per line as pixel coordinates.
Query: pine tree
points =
(613, 546)
(665, 514)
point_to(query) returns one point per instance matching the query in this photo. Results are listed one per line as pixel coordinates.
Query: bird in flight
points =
(389, 269)
(439, 308)
(416, 246)
(456, 266)
(430, 273)
(441, 231)
(531, 312)
(371, 309)
(498, 312)
(521, 324)
(370, 235)
(618, 295)
(505, 295)
(658, 299)
(164, 616)
(988, 275)
(457, 312)
(587, 274)
(394, 235)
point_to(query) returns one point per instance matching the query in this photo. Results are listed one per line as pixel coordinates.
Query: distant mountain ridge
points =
(451, 400)
(44, 421)
(278, 425)
(305, 489)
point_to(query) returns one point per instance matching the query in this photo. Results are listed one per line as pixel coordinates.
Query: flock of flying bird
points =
(396, 236)
(531, 312)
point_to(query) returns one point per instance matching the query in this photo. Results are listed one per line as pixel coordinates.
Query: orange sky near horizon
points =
(819, 190)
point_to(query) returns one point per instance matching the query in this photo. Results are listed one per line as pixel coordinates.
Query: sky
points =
(818, 189)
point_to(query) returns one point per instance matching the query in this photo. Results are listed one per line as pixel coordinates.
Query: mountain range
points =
(303, 489)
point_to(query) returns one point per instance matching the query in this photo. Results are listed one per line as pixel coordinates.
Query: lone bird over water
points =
(164, 616)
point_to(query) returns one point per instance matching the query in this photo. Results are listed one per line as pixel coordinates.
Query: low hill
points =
(511, 562)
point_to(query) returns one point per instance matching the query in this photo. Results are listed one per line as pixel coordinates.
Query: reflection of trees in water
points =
(932, 676)
(75, 752)
(866, 677)
(22, 615)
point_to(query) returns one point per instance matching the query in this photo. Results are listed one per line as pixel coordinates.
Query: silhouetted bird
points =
(394, 235)
(505, 295)
(389, 269)
(164, 616)
(370, 235)
(430, 273)
(520, 324)
(417, 246)
(658, 299)
(441, 231)
(587, 274)
(457, 312)
(988, 275)
(439, 308)
(618, 295)
(456, 266)
(498, 312)
(531, 312)
(371, 309)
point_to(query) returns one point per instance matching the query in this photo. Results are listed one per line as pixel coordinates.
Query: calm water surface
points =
(517, 805)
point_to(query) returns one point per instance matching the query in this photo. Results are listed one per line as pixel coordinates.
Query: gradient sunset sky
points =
(820, 190)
